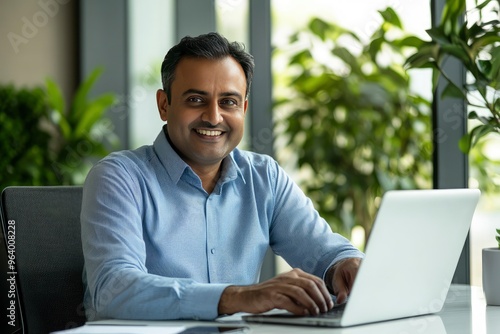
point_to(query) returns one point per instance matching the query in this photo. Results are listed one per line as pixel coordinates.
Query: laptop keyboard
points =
(335, 312)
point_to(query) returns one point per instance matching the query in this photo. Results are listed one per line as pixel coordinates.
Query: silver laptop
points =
(411, 256)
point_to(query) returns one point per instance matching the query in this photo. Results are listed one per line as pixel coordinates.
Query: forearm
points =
(229, 302)
(330, 274)
(329, 278)
(133, 295)
(340, 277)
(248, 298)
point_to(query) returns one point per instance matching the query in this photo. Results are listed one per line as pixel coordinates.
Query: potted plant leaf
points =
(473, 38)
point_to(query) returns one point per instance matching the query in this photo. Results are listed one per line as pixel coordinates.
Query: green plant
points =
(498, 237)
(473, 38)
(347, 112)
(475, 43)
(80, 130)
(42, 142)
(23, 141)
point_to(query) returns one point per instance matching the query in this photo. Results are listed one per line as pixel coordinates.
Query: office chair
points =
(48, 255)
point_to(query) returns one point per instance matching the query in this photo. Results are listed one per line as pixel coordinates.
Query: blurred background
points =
(331, 100)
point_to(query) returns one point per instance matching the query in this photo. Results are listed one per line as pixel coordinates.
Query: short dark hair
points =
(207, 46)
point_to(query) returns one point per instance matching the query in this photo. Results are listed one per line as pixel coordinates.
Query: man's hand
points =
(340, 277)
(295, 291)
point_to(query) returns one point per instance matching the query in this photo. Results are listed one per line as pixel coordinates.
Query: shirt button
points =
(212, 251)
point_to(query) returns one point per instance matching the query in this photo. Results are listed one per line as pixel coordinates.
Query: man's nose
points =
(212, 114)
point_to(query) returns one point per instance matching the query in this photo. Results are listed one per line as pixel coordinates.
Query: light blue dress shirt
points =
(158, 246)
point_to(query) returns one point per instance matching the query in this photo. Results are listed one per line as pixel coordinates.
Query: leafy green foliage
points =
(45, 143)
(350, 118)
(498, 237)
(23, 140)
(476, 44)
(81, 130)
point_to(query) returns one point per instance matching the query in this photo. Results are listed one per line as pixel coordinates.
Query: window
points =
(290, 21)
(151, 35)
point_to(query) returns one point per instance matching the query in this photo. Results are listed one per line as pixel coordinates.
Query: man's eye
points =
(194, 99)
(229, 102)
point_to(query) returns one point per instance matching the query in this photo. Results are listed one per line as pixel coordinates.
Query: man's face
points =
(206, 114)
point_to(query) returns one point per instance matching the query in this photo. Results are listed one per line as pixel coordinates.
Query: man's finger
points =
(341, 296)
(289, 303)
(317, 289)
(343, 277)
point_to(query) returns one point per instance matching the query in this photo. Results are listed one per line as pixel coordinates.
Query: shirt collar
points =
(176, 167)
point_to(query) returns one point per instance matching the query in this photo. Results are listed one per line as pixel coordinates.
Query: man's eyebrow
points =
(204, 93)
(194, 91)
(232, 93)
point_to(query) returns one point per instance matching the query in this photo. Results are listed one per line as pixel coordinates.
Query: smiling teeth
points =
(209, 133)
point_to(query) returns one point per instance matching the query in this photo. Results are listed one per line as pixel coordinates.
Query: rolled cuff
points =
(201, 301)
(345, 255)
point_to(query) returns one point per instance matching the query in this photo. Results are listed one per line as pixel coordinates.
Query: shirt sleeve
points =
(118, 283)
(299, 234)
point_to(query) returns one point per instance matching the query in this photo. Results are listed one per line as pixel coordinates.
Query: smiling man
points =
(206, 113)
(179, 229)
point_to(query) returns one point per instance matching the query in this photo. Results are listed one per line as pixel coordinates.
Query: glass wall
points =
(299, 47)
(152, 27)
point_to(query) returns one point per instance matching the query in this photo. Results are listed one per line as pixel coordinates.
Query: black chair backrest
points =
(42, 225)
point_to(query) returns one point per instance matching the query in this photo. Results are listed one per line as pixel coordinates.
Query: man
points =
(179, 229)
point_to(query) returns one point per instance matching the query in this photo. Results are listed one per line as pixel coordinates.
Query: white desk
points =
(465, 312)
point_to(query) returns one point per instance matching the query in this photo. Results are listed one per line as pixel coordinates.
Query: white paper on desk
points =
(238, 317)
(125, 329)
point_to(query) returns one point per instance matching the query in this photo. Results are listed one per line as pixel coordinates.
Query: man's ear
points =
(162, 103)
(245, 106)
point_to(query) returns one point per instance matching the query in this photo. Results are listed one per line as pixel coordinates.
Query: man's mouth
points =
(210, 133)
